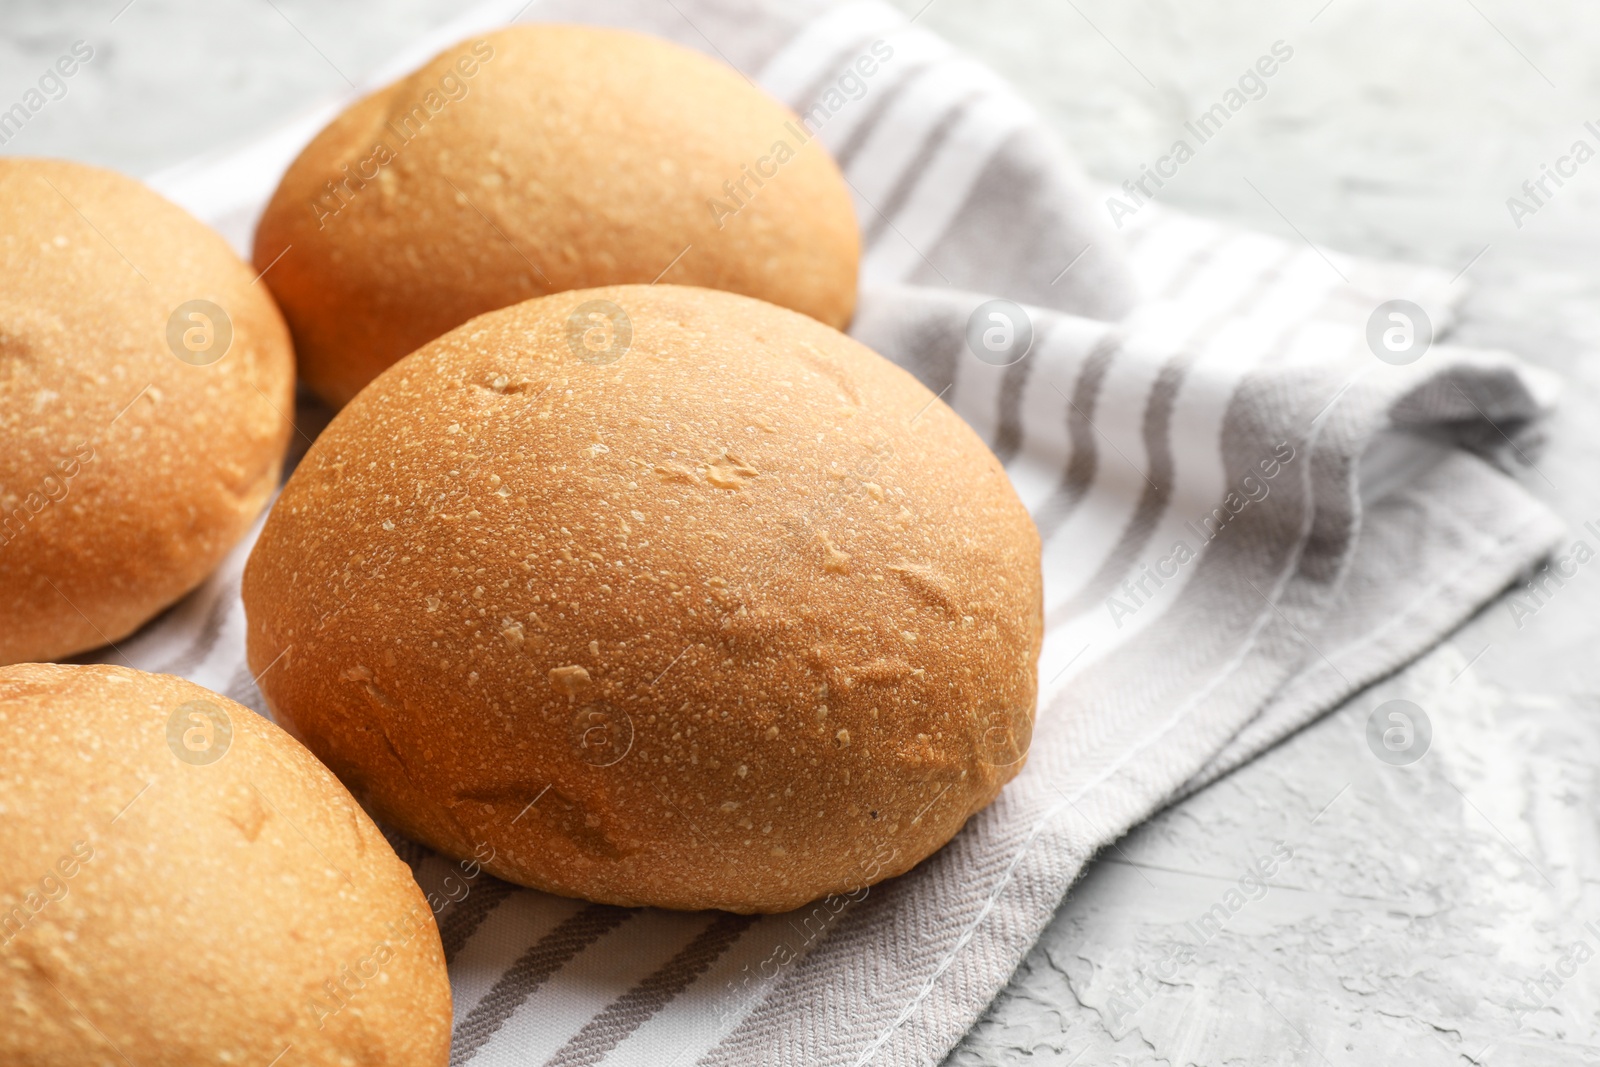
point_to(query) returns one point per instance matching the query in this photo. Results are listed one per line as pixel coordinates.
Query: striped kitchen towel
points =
(1247, 516)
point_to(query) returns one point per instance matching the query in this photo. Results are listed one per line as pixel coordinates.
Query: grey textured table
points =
(1435, 913)
(1431, 914)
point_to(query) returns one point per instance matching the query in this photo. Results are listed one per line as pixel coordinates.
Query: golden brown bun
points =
(569, 157)
(740, 619)
(181, 883)
(126, 473)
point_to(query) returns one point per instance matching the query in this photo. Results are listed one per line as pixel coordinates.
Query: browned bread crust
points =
(538, 159)
(181, 883)
(126, 473)
(739, 618)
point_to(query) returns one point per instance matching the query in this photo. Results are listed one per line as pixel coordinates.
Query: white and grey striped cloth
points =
(1246, 517)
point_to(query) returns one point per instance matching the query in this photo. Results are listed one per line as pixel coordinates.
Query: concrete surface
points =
(1435, 913)
(1421, 907)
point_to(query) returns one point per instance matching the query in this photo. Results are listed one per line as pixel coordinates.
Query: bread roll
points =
(539, 159)
(181, 883)
(145, 393)
(732, 615)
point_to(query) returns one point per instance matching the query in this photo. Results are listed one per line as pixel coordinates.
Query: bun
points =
(735, 615)
(128, 470)
(539, 159)
(184, 884)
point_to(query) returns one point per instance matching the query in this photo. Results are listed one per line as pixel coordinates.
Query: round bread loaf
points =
(671, 596)
(539, 159)
(182, 883)
(145, 389)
